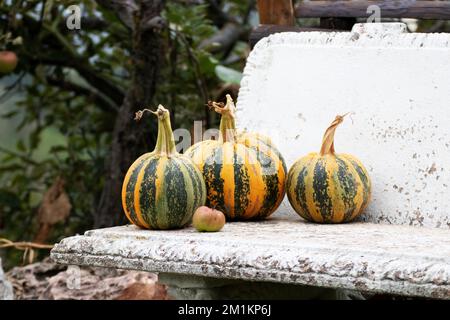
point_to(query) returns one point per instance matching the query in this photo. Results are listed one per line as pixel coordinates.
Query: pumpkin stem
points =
(227, 123)
(328, 137)
(165, 143)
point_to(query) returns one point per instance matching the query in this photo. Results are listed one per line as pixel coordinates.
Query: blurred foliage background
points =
(59, 109)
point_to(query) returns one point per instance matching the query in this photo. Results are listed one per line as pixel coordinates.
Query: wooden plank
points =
(389, 9)
(279, 12)
(265, 30)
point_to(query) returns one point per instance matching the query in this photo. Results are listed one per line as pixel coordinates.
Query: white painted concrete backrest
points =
(398, 86)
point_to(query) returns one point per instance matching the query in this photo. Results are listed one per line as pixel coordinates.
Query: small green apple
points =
(207, 219)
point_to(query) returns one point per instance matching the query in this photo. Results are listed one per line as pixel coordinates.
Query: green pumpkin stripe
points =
(300, 190)
(214, 184)
(173, 203)
(189, 183)
(270, 178)
(320, 190)
(279, 155)
(242, 186)
(131, 186)
(348, 187)
(266, 148)
(364, 179)
(194, 182)
(147, 192)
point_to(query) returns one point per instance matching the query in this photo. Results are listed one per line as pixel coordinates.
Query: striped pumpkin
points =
(244, 174)
(326, 187)
(162, 189)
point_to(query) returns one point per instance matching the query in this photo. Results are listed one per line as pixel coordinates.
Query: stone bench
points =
(398, 88)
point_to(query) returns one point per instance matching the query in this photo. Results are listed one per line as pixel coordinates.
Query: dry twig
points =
(28, 248)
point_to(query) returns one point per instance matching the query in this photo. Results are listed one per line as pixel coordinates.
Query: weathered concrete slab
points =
(361, 256)
(397, 84)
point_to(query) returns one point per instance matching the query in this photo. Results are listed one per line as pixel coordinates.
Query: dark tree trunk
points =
(131, 139)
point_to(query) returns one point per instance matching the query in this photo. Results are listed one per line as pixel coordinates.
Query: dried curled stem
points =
(213, 105)
(139, 114)
(328, 137)
(222, 108)
(160, 113)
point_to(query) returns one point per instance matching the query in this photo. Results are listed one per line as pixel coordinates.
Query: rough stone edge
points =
(71, 255)
(216, 271)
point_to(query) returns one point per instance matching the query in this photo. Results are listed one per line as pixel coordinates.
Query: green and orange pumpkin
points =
(244, 173)
(327, 187)
(162, 189)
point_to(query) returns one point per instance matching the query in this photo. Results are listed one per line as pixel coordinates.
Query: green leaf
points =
(12, 167)
(21, 146)
(207, 62)
(48, 8)
(10, 114)
(59, 148)
(40, 73)
(8, 198)
(228, 75)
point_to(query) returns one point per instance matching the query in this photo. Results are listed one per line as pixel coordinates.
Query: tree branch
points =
(201, 82)
(94, 97)
(92, 76)
(248, 11)
(97, 81)
(24, 158)
(224, 39)
(124, 9)
(157, 23)
(438, 26)
(219, 17)
(10, 88)
(92, 23)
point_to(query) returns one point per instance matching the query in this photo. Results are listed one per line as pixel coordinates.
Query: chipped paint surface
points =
(361, 256)
(396, 84)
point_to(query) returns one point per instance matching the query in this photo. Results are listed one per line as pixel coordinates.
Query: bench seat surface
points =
(363, 256)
